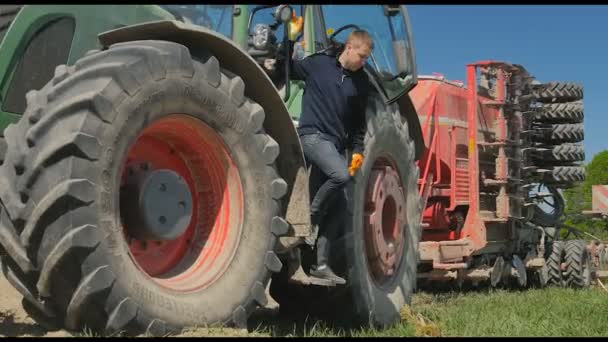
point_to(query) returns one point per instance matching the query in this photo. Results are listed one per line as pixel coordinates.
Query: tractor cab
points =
(275, 32)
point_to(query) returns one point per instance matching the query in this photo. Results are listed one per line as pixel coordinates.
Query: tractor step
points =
(300, 277)
(321, 282)
(311, 280)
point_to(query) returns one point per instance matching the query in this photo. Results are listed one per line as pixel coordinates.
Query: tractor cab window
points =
(265, 15)
(390, 59)
(48, 48)
(214, 17)
(266, 33)
(320, 36)
(265, 39)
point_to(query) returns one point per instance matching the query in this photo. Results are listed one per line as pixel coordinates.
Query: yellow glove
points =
(355, 164)
(295, 26)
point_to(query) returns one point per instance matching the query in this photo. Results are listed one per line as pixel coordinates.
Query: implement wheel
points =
(578, 264)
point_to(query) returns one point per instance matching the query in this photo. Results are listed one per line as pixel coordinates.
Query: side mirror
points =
(400, 51)
(283, 13)
(391, 10)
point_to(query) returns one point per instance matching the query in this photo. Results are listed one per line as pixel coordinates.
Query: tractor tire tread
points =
(33, 206)
(577, 264)
(558, 92)
(569, 112)
(553, 264)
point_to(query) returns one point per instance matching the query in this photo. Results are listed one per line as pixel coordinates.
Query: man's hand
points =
(270, 64)
(355, 164)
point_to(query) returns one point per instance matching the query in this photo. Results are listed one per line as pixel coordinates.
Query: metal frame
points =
(452, 254)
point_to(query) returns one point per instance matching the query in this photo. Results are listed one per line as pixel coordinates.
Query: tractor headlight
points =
(261, 33)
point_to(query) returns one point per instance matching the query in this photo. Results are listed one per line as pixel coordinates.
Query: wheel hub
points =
(159, 204)
(384, 222)
(179, 168)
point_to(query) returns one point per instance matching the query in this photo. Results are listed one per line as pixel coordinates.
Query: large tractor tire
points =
(565, 176)
(383, 229)
(561, 133)
(558, 92)
(569, 112)
(578, 264)
(553, 264)
(560, 155)
(140, 194)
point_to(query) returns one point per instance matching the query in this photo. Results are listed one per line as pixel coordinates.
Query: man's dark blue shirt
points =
(334, 100)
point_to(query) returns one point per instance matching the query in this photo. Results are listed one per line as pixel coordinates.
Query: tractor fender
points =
(258, 87)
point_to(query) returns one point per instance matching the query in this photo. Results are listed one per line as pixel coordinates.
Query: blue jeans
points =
(328, 177)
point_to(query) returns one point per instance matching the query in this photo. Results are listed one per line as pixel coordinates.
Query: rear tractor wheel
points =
(384, 226)
(144, 193)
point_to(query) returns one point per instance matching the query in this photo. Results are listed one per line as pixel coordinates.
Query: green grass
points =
(537, 312)
(478, 313)
(486, 312)
(307, 327)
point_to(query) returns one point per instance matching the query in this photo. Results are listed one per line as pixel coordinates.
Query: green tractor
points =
(152, 177)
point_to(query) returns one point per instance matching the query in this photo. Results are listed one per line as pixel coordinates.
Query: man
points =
(333, 117)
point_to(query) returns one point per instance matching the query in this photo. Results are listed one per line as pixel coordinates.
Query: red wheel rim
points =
(198, 154)
(384, 221)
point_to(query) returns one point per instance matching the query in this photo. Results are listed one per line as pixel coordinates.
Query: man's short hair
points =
(358, 37)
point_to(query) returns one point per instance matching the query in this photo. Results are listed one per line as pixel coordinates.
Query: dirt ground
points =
(13, 320)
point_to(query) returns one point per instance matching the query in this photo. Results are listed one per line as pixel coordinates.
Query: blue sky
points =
(562, 43)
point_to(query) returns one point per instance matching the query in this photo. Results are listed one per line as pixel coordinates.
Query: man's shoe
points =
(324, 272)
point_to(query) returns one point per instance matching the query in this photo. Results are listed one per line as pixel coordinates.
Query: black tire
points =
(559, 154)
(565, 176)
(553, 261)
(293, 299)
(7, 15)
(561, 133)
(387, 134)
(578, 264)
(48, 323)
(282, 291)
(60, 190)
(301, 301)
(558, 92)
(569, 112)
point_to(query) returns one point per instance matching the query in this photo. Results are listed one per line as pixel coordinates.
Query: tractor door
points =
(392, 64)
